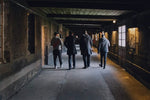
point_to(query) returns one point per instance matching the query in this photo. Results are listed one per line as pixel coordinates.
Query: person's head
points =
(86, 32)
(56, 34)
(70, 33)
(103, 35)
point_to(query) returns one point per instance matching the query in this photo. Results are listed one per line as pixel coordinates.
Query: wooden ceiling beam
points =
(83, 22)
(82, 16)
(119, 5)
(81, 26)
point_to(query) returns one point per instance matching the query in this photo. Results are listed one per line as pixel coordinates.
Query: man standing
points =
(86, 48)
(103, 49)
(71, 49)
(57, 48)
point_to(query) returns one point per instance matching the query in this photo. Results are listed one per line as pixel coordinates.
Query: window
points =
(122, 36)
(31, 33)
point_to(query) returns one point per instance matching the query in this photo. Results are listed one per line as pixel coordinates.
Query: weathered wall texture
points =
(20, 64)
(16, 40)
(136, 60)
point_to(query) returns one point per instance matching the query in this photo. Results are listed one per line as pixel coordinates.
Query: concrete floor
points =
(94, 83)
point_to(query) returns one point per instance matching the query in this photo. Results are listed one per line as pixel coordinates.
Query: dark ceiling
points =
(92, 15)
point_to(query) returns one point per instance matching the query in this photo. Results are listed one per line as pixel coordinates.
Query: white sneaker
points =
(55, 67)
(61, 66)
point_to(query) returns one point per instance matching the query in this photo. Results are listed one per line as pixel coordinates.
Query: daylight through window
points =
(122, 36)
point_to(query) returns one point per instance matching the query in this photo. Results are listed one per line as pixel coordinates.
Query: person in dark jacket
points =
(86, 48)
(103, 49)
(57, 48)
(71, 49)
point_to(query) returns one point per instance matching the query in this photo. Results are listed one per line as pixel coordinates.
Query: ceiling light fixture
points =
(114, 21)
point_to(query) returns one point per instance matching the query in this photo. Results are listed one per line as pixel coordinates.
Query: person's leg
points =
(69, 61)
(85, 62)
(74, 60)
(60, 59)
(102, 59)
(55, 57)
(105, 59)
(88, 60)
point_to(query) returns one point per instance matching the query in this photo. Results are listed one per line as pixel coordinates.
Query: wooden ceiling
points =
(87, 14)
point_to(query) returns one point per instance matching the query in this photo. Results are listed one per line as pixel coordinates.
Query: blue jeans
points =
(86, 59)
(69, 60)
(103, 56)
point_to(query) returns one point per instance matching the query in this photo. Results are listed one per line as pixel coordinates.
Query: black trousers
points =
(103, 57)
(57, 53)
(86, 59)
(73, 60)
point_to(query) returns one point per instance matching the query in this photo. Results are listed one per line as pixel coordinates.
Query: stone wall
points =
(20, 66)
(12, 84)
(16, 51)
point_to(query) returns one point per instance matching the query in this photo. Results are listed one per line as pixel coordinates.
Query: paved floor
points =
(94, 83)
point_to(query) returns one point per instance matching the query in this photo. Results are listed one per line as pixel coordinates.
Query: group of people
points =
(85, 47)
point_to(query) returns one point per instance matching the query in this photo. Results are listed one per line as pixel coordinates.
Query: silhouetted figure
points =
(103, 49)
(86, 48)
(71, 49)
(57, 48)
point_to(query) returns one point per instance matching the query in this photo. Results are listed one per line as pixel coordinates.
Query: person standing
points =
(86, 48)
(103, 49)
(57, 49)
(71, 49)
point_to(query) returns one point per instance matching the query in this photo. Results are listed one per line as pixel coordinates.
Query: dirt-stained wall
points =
(19, 65)
(16, 54)
(135, 55)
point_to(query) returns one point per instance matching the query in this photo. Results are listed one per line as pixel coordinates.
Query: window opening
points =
(31, 33)
(122, 36)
